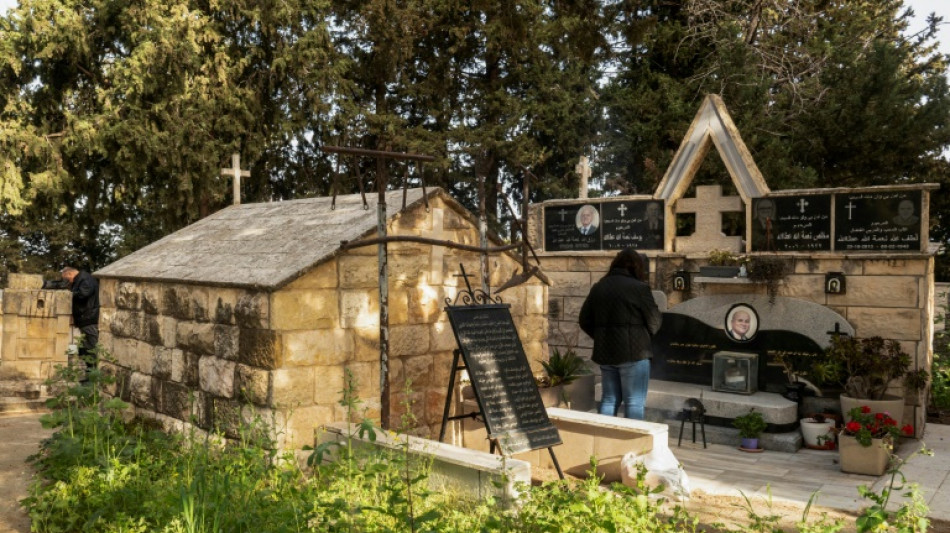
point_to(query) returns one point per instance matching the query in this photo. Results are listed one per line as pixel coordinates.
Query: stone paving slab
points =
(20, 437)
(794, 477)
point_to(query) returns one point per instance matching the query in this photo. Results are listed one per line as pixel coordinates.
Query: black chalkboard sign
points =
(503, 382)
(572, 227)
(791, 223)
(878, 220)
(636, 223)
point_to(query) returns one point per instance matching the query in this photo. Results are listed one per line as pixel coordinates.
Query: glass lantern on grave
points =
(736, 372)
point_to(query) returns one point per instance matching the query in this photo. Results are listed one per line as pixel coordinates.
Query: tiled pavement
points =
(794, 477)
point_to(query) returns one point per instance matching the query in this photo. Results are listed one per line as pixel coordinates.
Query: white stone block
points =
(216, 376)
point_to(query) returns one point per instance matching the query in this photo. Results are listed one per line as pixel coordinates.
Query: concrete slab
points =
(794, 477)
(454, 469)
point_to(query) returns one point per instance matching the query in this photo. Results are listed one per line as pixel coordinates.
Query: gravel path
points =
(20, 437)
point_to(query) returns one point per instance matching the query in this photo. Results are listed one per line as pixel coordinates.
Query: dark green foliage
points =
(940, 370)
(864, 367)
(100, 474)
(562, 369)
(750, 425)
(115, 118)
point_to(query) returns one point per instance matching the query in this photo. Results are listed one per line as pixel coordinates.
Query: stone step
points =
(667, 399)
(23, 389)
(16, 405)
(789, 441)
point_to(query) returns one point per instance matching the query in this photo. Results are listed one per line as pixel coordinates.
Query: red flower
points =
(865, 426)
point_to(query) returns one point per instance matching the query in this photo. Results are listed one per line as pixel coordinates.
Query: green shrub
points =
(562, 369)
(100, 474)
(750, 425)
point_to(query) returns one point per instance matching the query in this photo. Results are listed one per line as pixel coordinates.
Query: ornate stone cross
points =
(709, 205)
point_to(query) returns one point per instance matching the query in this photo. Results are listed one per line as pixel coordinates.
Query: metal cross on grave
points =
(708, 205)
(236, 173)
(837, 331)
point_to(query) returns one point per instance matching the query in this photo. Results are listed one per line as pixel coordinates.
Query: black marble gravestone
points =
(791, 223)
(878, 220)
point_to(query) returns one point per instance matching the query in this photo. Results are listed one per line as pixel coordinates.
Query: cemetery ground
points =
(20, 437)
(116, 477)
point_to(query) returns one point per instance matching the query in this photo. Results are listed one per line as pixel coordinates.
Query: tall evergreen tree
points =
(116, 116)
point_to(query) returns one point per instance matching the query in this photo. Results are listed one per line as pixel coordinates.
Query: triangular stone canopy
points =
(712, 126)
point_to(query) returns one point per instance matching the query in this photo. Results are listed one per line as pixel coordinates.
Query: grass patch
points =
(100, 473)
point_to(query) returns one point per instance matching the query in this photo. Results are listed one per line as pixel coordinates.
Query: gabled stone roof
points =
(265, 245)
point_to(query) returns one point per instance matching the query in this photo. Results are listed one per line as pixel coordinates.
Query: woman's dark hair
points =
(633, 262)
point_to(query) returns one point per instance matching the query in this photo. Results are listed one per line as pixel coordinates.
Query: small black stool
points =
(694, 412)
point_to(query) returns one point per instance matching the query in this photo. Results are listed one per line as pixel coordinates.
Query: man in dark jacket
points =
(85, 291)
(621, 316)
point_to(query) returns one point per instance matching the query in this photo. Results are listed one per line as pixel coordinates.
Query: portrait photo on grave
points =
(905, 214)
(588, 220)
(742, 323)
(653, 224)
(763, 224)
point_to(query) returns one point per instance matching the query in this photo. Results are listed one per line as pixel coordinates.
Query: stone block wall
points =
(176, 356)
(216, 356)
(34, 330)
(890, 296)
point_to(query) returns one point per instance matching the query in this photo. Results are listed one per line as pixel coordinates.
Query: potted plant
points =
(866, 441)
(865, 368)
(793, 368)
(818, 432)
(750, 426)
(561, 370)
(722, 264)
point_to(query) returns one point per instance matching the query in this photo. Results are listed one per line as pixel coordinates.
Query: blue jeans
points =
(626, 381)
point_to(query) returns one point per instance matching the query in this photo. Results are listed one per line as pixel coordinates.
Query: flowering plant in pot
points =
(866, 426)
(865, 368)
(866, 441)
(818, 431)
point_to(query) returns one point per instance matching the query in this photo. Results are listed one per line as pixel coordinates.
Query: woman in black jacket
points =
(621, 316)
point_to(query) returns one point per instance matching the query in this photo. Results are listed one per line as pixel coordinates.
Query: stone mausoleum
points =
(34, 336)
(257, 311)
(858, 261)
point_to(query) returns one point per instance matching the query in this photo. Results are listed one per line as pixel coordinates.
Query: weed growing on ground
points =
(100, 473)
(910, 517)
